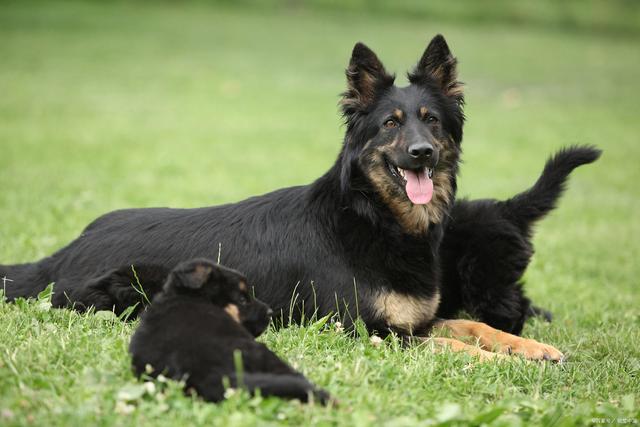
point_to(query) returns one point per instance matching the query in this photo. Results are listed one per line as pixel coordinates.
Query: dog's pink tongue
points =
(419, 187)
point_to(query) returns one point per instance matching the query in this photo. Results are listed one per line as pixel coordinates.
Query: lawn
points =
(106, 106)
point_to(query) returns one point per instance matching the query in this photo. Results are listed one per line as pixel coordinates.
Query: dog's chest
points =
(403, 312)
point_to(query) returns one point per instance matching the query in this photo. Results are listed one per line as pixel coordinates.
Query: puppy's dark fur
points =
(203, 314)
(352, 241)
(487, 247)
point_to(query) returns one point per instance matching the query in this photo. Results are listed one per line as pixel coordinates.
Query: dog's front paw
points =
(532, 350)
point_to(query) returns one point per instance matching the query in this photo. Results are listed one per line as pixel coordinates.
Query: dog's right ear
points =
(366, 78)
(191, 275)
(439, 66)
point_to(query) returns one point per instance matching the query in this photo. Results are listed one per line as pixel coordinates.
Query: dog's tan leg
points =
(492, 339)
(458, 346)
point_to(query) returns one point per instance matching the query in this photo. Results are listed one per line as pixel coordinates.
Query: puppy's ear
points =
(438, 66)
(192, 275)
(366, 78)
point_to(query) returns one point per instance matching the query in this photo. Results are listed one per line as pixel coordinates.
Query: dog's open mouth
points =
(417, 183)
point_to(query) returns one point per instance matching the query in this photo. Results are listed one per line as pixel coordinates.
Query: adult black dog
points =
(363, 239)
(201, 317)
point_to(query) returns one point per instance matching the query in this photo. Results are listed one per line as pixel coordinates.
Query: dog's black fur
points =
(203, 314)
(116, 289)
(317, 244)
(487, 247)
(311, 249)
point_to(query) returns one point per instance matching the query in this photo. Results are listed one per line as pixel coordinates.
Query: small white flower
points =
(467, 367)
(149, 387)
(339, 327)
(124, 408)
(229, 392)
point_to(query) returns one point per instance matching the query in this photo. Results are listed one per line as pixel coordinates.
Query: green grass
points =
(105, 106)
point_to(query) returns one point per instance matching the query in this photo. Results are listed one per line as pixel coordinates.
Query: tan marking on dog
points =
(492, 339)
(242, 286)
(423, 112)
(201, 273)
(414, 219)
(368, 84)
(442, 344)
(361, 93)
(233, 311)
(446, 74)
(405, 312)
(455, 89)
(438, 207)
(348, 101)
(398, 114)
(398, 141)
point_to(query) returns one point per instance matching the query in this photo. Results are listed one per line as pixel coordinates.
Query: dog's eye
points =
(432, 119)
(390, 124)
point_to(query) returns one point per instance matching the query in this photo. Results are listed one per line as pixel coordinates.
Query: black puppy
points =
(202, 316)
(488, 246)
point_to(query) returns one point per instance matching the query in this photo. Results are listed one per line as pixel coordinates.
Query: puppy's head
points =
(222, 287)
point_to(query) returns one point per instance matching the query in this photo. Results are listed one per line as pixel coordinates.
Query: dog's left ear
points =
(191, 275)
(366, 79)
(438, 66)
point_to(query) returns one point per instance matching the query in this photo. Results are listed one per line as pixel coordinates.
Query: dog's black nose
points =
(421, 150)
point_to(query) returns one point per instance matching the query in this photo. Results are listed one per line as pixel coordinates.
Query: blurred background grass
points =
(617, 16)
(106, 105)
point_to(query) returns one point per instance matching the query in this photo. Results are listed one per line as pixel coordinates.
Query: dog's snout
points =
(421, 150)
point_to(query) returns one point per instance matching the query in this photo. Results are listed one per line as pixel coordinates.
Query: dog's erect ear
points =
(438, 65)
(366, 78)
(191, 275)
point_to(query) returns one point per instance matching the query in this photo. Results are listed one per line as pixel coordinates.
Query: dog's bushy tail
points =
(533, 204)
